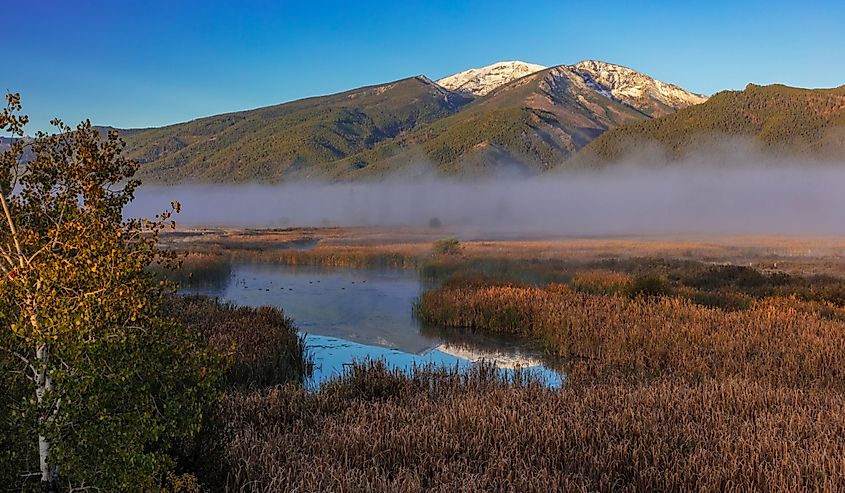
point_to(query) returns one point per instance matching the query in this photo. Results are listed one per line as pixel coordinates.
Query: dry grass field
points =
(336, 246)
(437, 431)
(691, 365)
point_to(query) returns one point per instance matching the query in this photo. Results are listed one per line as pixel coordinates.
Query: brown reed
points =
(264, 345)
(777, 339)
(445, 432)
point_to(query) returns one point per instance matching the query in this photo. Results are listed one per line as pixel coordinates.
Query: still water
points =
(351, 315)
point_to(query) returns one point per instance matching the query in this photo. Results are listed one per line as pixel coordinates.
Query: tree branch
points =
(23, 359)
(12, 229)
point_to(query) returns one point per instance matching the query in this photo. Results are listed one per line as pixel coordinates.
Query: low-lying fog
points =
(799, 198)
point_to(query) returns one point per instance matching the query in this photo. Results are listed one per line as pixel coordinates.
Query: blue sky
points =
(149, 63)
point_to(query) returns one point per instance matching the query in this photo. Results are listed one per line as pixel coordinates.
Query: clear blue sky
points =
(148, 63)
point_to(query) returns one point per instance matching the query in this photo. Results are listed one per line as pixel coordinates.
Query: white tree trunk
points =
(49, 474)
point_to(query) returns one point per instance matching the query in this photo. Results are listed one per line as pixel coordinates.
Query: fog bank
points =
(624, 199)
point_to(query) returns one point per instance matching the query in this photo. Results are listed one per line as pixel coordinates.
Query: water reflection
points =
(355, 314)
(502, 359)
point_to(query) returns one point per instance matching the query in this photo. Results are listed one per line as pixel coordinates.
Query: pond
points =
(351, 315)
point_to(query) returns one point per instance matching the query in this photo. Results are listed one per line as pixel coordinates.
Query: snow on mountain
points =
(638, 90)
(480, 81)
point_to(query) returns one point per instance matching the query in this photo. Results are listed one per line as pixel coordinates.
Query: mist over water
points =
(693, 197)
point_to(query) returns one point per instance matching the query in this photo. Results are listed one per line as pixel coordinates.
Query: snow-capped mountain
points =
(508, 116)
(632, 88)
(480, 81)
(653, 97)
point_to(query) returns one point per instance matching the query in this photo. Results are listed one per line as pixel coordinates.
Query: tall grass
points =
(203, 267)
(352, 258)
(264, 345)
(264, 349)
(682, 376)
(726, 286)
(777, 340)
(443, 431)
(198, 270)
(598, 281)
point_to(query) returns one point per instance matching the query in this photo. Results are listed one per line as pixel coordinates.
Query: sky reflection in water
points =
(355, 314)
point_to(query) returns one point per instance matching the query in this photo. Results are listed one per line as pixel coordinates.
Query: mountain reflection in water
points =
(354, 314)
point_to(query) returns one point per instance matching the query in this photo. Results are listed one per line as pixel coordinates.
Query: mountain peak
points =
(653, 97)
(637, 90)
(481, 81)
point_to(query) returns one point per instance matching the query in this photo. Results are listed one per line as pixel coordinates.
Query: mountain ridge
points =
(776, 120)
(527, 122)
(481, 81)
(270, 142)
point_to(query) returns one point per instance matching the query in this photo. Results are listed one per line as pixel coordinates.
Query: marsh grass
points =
(599, 281)
(216, 264)
(442, 431)
(263, 344)
(681, 376)
(197, 270)
(777, 339)
(729, 287)
(499, 269)
(352, 258)
(263, 349)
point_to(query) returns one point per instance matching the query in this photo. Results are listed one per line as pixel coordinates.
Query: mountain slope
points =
(497, 117)
(530, 124)
(777, 119)
(651, 96)
(273, 142)
(482, 81)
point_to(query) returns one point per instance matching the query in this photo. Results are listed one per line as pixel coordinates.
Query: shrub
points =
(650, 285)
(447, 246)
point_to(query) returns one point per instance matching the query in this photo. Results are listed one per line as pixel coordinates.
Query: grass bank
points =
(781, 340)
(263, 349)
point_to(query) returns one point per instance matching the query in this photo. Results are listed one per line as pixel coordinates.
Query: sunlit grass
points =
(441, 431)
